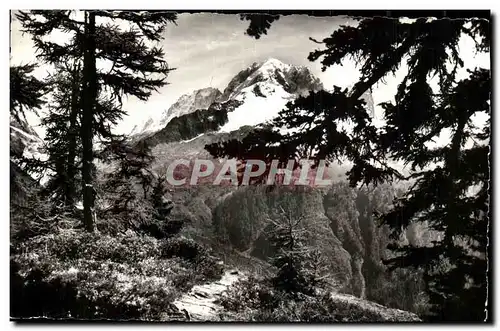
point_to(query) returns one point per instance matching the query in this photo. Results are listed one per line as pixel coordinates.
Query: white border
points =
(191, 4)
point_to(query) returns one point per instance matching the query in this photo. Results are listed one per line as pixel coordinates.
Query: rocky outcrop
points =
(340, 208)
(188, 103)
(242, 219)
(339, 222)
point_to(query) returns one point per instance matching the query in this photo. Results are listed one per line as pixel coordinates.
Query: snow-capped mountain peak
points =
(264, 89)
(293, 79)
(269, 67)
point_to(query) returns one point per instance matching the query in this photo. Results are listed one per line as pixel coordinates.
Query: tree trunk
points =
(86, 133)
(72, 134)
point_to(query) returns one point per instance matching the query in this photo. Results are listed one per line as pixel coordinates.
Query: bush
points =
(206, 267)
(96, 289)
(251, 293)
(32, 216)
(316, 309)
(401, 289)
(181, 247)
(161, 229)
(73, 244)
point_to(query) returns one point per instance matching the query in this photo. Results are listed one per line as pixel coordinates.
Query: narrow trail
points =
(199, 302)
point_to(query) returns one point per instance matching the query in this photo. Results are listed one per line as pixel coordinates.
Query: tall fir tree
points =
(451, 183)
(142, 166)
(116, 63)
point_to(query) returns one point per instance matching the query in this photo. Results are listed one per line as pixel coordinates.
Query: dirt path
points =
(199, 302)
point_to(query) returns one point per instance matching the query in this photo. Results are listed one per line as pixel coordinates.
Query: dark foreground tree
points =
(450, 183)
(132, 169)
(116, 63)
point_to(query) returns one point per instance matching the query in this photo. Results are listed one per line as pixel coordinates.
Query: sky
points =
(209, 49)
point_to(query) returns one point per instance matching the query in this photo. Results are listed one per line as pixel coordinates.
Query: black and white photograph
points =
(261, 166)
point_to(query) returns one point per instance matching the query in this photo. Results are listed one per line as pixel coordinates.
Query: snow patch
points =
(256, 110)
(189, 140)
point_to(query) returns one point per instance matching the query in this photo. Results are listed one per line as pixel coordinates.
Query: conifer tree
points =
(27, 94)
(136, 69)
(120, 181)
(141, 166)
(163, 225)
(158, 196)
(132, 168)
(450, 188)
(288, 238)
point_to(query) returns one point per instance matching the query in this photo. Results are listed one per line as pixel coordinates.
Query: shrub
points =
(161, 229)
(205, 266)
(401, 289)
(181, 247)
(87, 289)
(251, 293)
(37, 295)
(208, 267)
(32, 216)
(73, 244)
(316, 309)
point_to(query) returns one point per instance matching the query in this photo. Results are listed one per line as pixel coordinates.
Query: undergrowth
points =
(69, 273)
